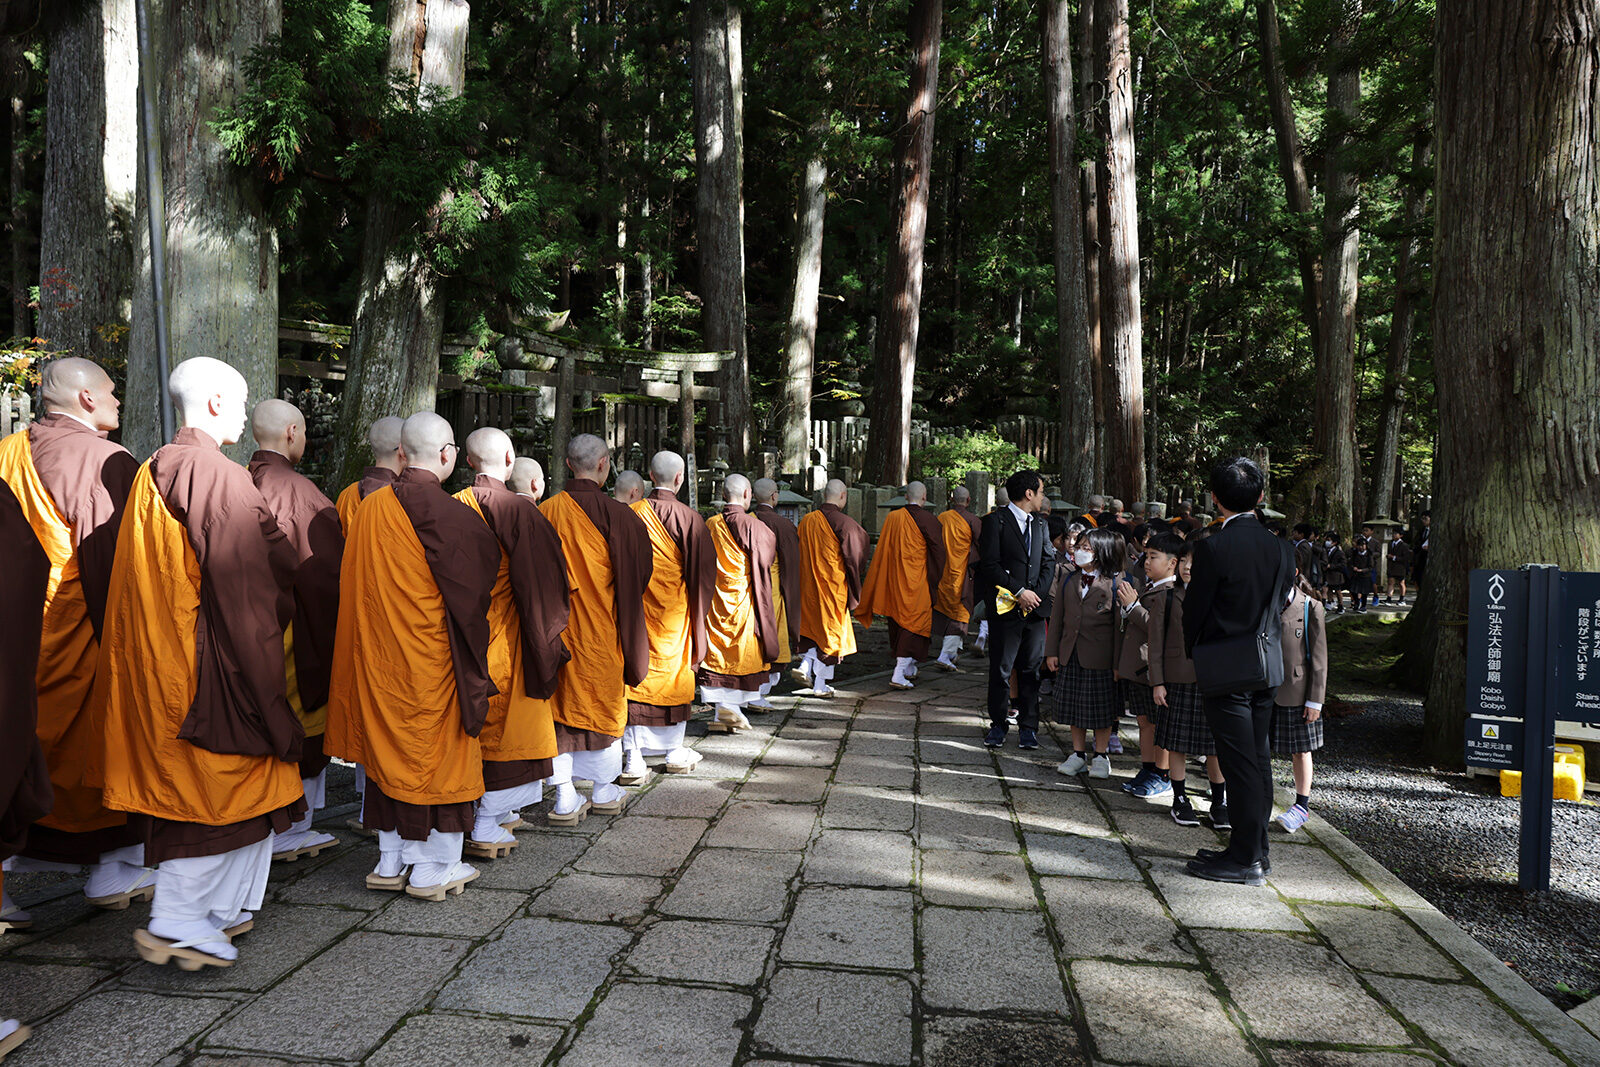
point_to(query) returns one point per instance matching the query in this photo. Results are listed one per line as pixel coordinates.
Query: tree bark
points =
(91, 153)
(895, 356)
(1334, 422)
(1518, 204)
(1075, 360)
(718, 62)
(1120, 328)
(221, 253)
(1401, 324)
(399, 322)
(1091, 100)
(1292, 166)
(801, 342)
(16, 80)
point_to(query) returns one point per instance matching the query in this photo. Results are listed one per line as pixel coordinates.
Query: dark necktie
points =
(1088, 579)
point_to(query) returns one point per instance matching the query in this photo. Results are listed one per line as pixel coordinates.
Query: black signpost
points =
(1533, 655)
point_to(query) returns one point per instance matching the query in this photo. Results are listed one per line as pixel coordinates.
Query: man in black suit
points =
(1241, 574)
(1014, 553)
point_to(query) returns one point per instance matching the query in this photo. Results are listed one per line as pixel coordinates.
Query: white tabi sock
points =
(950, 649)
(567, 799)
(390, 865)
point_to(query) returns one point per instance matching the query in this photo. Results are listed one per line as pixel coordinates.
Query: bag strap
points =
(1166, 624)
(1305, 628)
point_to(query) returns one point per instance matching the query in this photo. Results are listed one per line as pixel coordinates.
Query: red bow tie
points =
(1088, 579)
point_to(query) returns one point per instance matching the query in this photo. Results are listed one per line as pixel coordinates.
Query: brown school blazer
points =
(1303, 683)
(1172, 666)
(1133, 641)
(1088, 624)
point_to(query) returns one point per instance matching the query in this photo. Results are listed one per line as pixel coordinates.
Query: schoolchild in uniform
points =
(1361, 571)
(1336, 572)
(1182, 729)
(1297, 705)
(1161, 569)
(1399, 568)
(1082, 643)
(1063, 535)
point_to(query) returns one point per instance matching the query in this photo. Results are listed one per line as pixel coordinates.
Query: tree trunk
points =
(1091, 100)
(399, 322)
(715, 26)
(1292, 166)
(16, 79)
(91, 152)
(1517, 203)
(1334, 422)
(1120, 329)
(895, 356)
(1075, 360)
(1400, 329)
(221, 253)
(801, 342)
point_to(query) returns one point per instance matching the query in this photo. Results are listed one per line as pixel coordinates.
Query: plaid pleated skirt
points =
(1136, 695)
(1084, 698)
(1183, 727)
(1291, 733)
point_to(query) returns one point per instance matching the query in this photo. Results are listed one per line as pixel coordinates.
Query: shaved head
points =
(667, 470)
(489, 451)
(209, 396)
(736, 490)
(916, 493)
(961, 496)
(427, 441)
(765, 491)
(834, 492)
(279, 427)
(631, 487)
(588, 457)
(384, 437)
(79, 387)
(526, 478)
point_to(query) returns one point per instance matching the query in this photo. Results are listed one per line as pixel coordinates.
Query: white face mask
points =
(1083, 557)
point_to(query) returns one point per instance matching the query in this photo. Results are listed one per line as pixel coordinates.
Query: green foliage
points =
(978, 450)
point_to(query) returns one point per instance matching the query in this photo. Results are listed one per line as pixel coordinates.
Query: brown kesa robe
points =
(952, 605)
(350, 498)
(742, 629)
(72, 482)
(200, 740)
(410, 689)
(527, 612)
(608, 567)
(833, 556)
(25, 792)
(311, 523)
(683, 577)
(904, 579)
(785, 581)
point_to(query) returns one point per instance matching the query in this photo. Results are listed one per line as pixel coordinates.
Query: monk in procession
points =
(201, 744)
(683, 576)
(904, 582)
(411, 688)
(608, 558)
(785, 584)
(71, 483)
(630, 489)
(25, 790)
(526, 479)
(527, 612)
(952, 607)
(741, 628)
(384, 438)
(833, 555)
(310, 522)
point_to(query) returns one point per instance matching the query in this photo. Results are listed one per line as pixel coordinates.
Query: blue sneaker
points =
(1294, 818)
(1153, 786)
(1027, 738)
(1136, 781)
(995, 737)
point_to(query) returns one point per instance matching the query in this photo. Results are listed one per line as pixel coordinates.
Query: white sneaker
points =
(1100, 767)
(1075, 764)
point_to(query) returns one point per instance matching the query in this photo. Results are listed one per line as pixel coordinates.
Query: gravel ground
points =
(1454, 840)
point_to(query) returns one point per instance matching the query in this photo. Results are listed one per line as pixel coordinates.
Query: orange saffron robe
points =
(352, 495)
(897, 583)
(741, 629)
(396, 704)
(832, 549)
(954, 597)
(670, 682)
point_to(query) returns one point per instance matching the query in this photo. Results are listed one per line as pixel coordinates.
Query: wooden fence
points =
(843, 441)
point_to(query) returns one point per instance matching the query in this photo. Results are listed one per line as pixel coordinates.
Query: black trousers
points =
(1016, 643)
(1242, 726)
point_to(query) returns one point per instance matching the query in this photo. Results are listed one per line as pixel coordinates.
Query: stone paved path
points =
(855, 881)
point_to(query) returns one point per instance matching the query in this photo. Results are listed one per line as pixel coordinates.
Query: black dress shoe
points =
(1222, 869)
(1207, 854)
